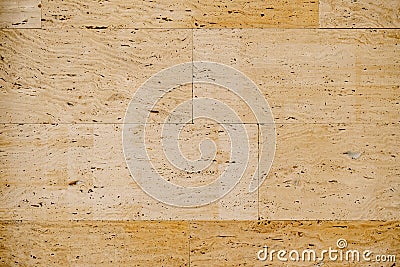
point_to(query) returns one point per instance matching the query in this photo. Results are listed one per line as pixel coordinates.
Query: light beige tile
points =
(242, 109)
(80, 76)
(180, 14)
(312, 179)
(255, 14)
(318, 76)
(357, 85)
(116, 14)
(20, 14)
(309, 169)
(237, 243)
(78, 172)
(359, 14)
(90, 243)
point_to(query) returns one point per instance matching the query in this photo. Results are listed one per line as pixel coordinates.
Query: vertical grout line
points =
(189, 234)
(192, 72)
(318, 16)
(41, 15)
(258, 171)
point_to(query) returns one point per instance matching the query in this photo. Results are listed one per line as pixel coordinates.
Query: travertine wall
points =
(328, 69)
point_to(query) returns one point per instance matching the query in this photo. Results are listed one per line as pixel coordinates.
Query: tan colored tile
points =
(255, 14)
(20, 14)
(238, 203)
(309, 169)
(80, 76)
(180, 14)
(116, 14)
(311, 177)
(92, 243)
(289, 72)
(318, 76)
(242, 109)
(359, 14)
(237, 243)
(41, 161)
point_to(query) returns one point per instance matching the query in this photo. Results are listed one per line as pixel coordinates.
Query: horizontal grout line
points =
(197, 221)
(21, 28)
(189, 123)
(183, 28)
(360, 28)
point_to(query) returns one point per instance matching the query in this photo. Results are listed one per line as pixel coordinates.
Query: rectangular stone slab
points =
(79, 172)
(359, 14)
(89, 243)
(306, 75)
(20, 14)
(238, 243)
(180, 14)
(53, 76)
(332, 172)
(317, 76)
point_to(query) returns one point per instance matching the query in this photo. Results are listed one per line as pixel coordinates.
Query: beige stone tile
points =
(210, 91)
(358, 85)
(20, 14)
(238, 203)
(237, 243)
(180, 14)
(116, 14)
(309, 169)
(90, 243)
(359, 14)
(78, 172)
(317, 76)
(255, 14)
(311, 177)
(53, 76)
